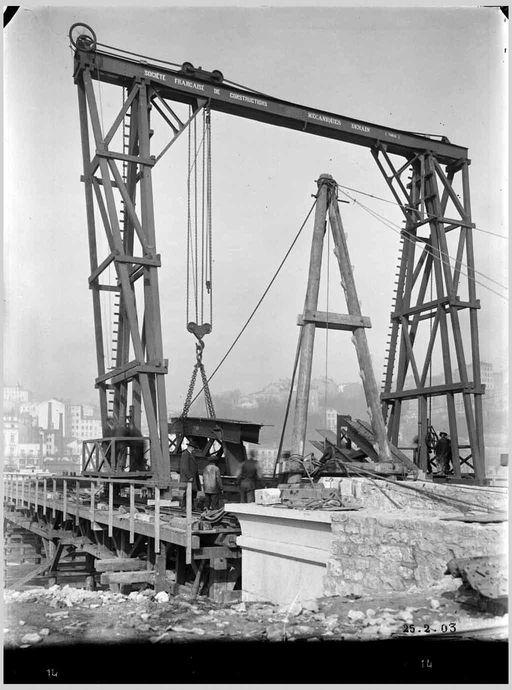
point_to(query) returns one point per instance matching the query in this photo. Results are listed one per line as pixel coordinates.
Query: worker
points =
(189, 470)
(212, 484)
(136, 447)
(248, 478)
(416, 450)
(443, 452)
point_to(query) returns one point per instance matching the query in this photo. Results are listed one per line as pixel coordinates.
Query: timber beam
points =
(433, 391)
(338, 322)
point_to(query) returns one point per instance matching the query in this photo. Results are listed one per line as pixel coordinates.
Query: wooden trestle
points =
(128, 541)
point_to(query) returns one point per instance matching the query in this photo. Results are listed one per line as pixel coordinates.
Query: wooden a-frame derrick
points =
(424, 201)
(137, 384)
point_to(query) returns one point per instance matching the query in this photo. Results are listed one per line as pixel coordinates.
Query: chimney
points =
(50, 420)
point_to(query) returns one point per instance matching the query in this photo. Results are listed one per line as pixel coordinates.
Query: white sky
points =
(440, 71)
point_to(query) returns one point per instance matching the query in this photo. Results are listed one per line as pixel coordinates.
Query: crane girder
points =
(222, 97)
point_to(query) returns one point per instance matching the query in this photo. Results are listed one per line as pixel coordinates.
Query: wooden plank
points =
(99, 270)
(65, 498)
(340, 322)
(110, 508)
(119, 564)
(218, 578)
(54, 498)
(132, 513)
(160, 564)
(434, 391)
(188, 558)
(77, 502)
(125, 157)
(205, 552)
(197, 580)
(33, 573)
(127, 578)
(91, 504)
(157, 519)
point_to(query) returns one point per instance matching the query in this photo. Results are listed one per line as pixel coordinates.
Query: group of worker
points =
(442, 449)
(212, 480)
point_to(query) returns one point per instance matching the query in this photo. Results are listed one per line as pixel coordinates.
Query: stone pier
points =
(400, 539)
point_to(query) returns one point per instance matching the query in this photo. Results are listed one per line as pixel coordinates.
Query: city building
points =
(266, 458)
(84, 424)
(331, 419)
(49, 414)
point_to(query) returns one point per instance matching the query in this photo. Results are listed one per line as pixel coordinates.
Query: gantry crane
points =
(428, 177)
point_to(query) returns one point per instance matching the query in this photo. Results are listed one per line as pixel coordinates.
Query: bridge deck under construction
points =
(128, 539)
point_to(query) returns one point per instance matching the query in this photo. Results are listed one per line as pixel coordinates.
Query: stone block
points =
(267, 497)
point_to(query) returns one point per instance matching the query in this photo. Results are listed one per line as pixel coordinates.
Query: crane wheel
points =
(188, 68)
(82, 37)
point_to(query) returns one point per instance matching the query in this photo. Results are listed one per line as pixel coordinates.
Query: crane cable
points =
(412, 208)
(437, 254)
(260, 300)
(199, 253)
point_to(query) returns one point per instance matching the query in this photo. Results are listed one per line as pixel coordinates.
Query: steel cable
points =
(260, 300)
(412, 238)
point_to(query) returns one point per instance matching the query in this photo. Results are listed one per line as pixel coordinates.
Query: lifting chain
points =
(199, 366)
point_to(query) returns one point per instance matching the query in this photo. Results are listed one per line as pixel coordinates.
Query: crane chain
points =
(199, 366)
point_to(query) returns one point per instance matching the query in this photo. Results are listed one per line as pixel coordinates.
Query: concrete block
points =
(267, 497)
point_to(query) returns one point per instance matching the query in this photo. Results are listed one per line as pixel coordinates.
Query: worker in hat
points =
(443, 451)
(189, 469)
(212, 484)
(248, 478)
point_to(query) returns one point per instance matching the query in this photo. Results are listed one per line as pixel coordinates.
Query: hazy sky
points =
(439, 71)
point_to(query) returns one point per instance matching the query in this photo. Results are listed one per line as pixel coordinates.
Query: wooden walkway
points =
(121, 525)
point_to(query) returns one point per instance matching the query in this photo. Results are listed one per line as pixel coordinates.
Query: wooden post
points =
(54, 490)
(110, 508)
(359, 336)
(91, 504)
(298, 439)
(132, 512)
(36, 494)
(218, 578)
(422, 453)
(45, 494)
(123, 549)
(197, 580)
(22, 491)
(180, 568)
(160, 563)
(188, 558)
(65, 499)
(157, 519)
(77, 502)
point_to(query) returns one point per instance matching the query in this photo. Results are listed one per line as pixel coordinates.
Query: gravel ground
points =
(66, 615)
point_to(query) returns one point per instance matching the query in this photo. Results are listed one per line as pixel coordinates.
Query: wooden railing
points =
(25, 491)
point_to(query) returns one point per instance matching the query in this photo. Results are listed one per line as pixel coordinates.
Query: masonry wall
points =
(373, 552)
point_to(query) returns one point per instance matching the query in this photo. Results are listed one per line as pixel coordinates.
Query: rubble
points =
(31, 638)
(139, 615)
(161, 597)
